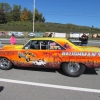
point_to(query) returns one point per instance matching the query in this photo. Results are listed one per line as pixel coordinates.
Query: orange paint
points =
(51, 58)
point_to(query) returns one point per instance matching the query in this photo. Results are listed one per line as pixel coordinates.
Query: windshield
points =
(76, 43)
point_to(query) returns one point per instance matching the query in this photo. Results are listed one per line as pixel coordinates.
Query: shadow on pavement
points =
(88, 71)
(1, 88)
(36, 69)
(91, 71)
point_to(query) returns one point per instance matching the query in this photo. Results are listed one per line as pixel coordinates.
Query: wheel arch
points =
(67, 72)
(8, 59)
(68, 62)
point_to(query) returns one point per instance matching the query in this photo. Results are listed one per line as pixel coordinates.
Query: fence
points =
(21, 34)
(41, 34)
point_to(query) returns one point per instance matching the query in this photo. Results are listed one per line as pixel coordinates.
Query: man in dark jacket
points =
(84, 39)
(50, 35)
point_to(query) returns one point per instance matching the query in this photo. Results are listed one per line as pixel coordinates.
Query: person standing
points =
(84, 39)
(12, 39)
(50, 35)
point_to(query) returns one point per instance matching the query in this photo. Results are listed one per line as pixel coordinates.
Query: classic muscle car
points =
(51, 53)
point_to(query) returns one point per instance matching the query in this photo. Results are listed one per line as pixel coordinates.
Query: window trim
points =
(48, 45)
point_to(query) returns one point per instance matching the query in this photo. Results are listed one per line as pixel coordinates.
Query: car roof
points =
(48, 38)
(57, 39)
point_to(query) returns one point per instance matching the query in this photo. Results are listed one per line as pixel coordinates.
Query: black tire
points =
(70, 70)
(5, 64)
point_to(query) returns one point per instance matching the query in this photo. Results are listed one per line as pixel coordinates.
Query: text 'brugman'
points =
(93, 54)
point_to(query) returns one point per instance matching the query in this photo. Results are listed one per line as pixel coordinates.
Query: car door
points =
(34, 54)
(55, 54)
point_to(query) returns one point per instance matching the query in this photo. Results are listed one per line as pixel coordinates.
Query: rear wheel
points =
(5, 64)
(73, 69)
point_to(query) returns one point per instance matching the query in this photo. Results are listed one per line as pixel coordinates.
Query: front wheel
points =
(5, 64)
(73, 69)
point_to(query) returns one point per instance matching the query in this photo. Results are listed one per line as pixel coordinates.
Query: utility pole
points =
(33, 14)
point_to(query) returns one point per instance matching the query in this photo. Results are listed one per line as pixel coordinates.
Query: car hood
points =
(90, 48)
(13, 47)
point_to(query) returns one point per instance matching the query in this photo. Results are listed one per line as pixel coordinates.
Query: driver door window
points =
(55, 46)
(39, 44)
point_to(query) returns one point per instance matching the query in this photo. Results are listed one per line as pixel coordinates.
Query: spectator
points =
(50, 35)
(3, 33)
(12, 40)
(84, 39)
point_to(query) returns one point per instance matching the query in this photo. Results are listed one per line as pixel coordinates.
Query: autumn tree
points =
(28, 16)
(24, 15)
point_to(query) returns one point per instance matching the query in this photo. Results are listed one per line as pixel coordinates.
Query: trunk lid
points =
(90, 48)
(13, 47)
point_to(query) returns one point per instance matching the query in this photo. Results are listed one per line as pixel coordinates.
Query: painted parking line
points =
(50, 85)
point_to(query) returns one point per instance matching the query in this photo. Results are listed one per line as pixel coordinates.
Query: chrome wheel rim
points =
(4, 63)
(73, 67)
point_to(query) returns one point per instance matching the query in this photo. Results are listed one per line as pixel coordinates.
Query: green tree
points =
(38, 16)
(5, 9)
(2, 17)
(30, 16)
(16, 13)
(9, 16)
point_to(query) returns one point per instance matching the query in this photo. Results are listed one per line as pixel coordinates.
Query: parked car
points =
(19, 34)
(10, 33)
(58, 53)
(31, 34)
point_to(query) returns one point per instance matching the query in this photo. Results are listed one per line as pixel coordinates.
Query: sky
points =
(77, 12)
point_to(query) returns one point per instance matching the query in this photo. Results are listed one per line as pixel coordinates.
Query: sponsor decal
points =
(6, 53)
(92, 54)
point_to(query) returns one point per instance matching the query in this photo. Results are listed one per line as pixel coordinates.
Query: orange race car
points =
(51, 53)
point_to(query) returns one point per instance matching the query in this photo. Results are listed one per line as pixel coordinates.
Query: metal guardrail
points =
(7, 41)
(24, 40)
